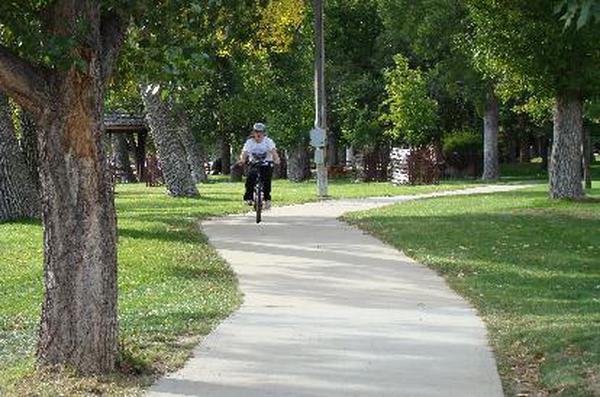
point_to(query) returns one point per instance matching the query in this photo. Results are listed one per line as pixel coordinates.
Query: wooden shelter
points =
(125, 123)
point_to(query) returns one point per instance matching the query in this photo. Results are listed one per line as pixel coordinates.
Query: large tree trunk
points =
(79, 313)
(298, 164)
(18, 195)
(29, 145)
(359, 165)
(565, 167)
(122, 163)
(491, 166)
(139, 149)
(193, 153)
(164, 131)
(349, 158)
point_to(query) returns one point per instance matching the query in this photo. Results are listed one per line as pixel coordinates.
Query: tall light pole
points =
(320, 102)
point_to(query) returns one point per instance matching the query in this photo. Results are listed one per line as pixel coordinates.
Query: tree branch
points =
(112, 30)
(24, 82)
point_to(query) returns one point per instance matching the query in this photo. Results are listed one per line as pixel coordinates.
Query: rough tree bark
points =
(29, 145)
(491, 166)
(193, 153)
(138, 147)
(349, 156)
(359, 165)
(120, 148)
(565, 165)
(164, 131)
(79, 313)
(18, 196)
(298, 163)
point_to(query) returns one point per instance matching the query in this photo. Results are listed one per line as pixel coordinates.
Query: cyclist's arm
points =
(244, 157)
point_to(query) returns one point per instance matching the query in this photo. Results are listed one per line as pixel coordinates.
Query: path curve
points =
(331, 312)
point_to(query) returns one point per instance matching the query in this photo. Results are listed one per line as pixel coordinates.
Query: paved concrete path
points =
(329, 311)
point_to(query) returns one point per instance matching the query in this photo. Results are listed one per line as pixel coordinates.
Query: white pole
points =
(320, 104)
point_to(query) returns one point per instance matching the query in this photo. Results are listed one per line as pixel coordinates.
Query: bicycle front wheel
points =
(258, 201)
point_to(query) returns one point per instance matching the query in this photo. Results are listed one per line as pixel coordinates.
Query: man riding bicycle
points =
(259, 148)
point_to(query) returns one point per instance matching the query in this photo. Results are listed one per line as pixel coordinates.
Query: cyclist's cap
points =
(259, 127)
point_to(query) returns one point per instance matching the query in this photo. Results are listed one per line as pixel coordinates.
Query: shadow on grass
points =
(182, 236)
(152, 202)
(165, 329)
(22, 221)
(213, 274)
(180, 317)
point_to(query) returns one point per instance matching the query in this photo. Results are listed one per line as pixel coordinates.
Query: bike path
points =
(330, 311)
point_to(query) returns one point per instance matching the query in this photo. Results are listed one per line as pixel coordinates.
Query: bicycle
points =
(258, 194)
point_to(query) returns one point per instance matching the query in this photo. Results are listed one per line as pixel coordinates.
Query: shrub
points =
(411, 112)
(463, 153)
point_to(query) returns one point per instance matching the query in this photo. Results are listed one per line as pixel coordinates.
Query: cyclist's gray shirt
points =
(266, 146)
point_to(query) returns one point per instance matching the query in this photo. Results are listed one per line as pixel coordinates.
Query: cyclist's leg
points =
(266, 173)
(250, 181)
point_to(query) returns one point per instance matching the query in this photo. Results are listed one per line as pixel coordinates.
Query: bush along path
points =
(330, 311)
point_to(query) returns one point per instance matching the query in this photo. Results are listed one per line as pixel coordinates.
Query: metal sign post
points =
(317, 137)
(320, 104)
(317, 141)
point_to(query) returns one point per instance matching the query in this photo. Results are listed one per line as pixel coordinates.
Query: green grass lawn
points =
(532, 268)
(523, 171)
(533, 171)
(173, 286)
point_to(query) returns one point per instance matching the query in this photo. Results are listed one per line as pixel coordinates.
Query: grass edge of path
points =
(374, 222)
